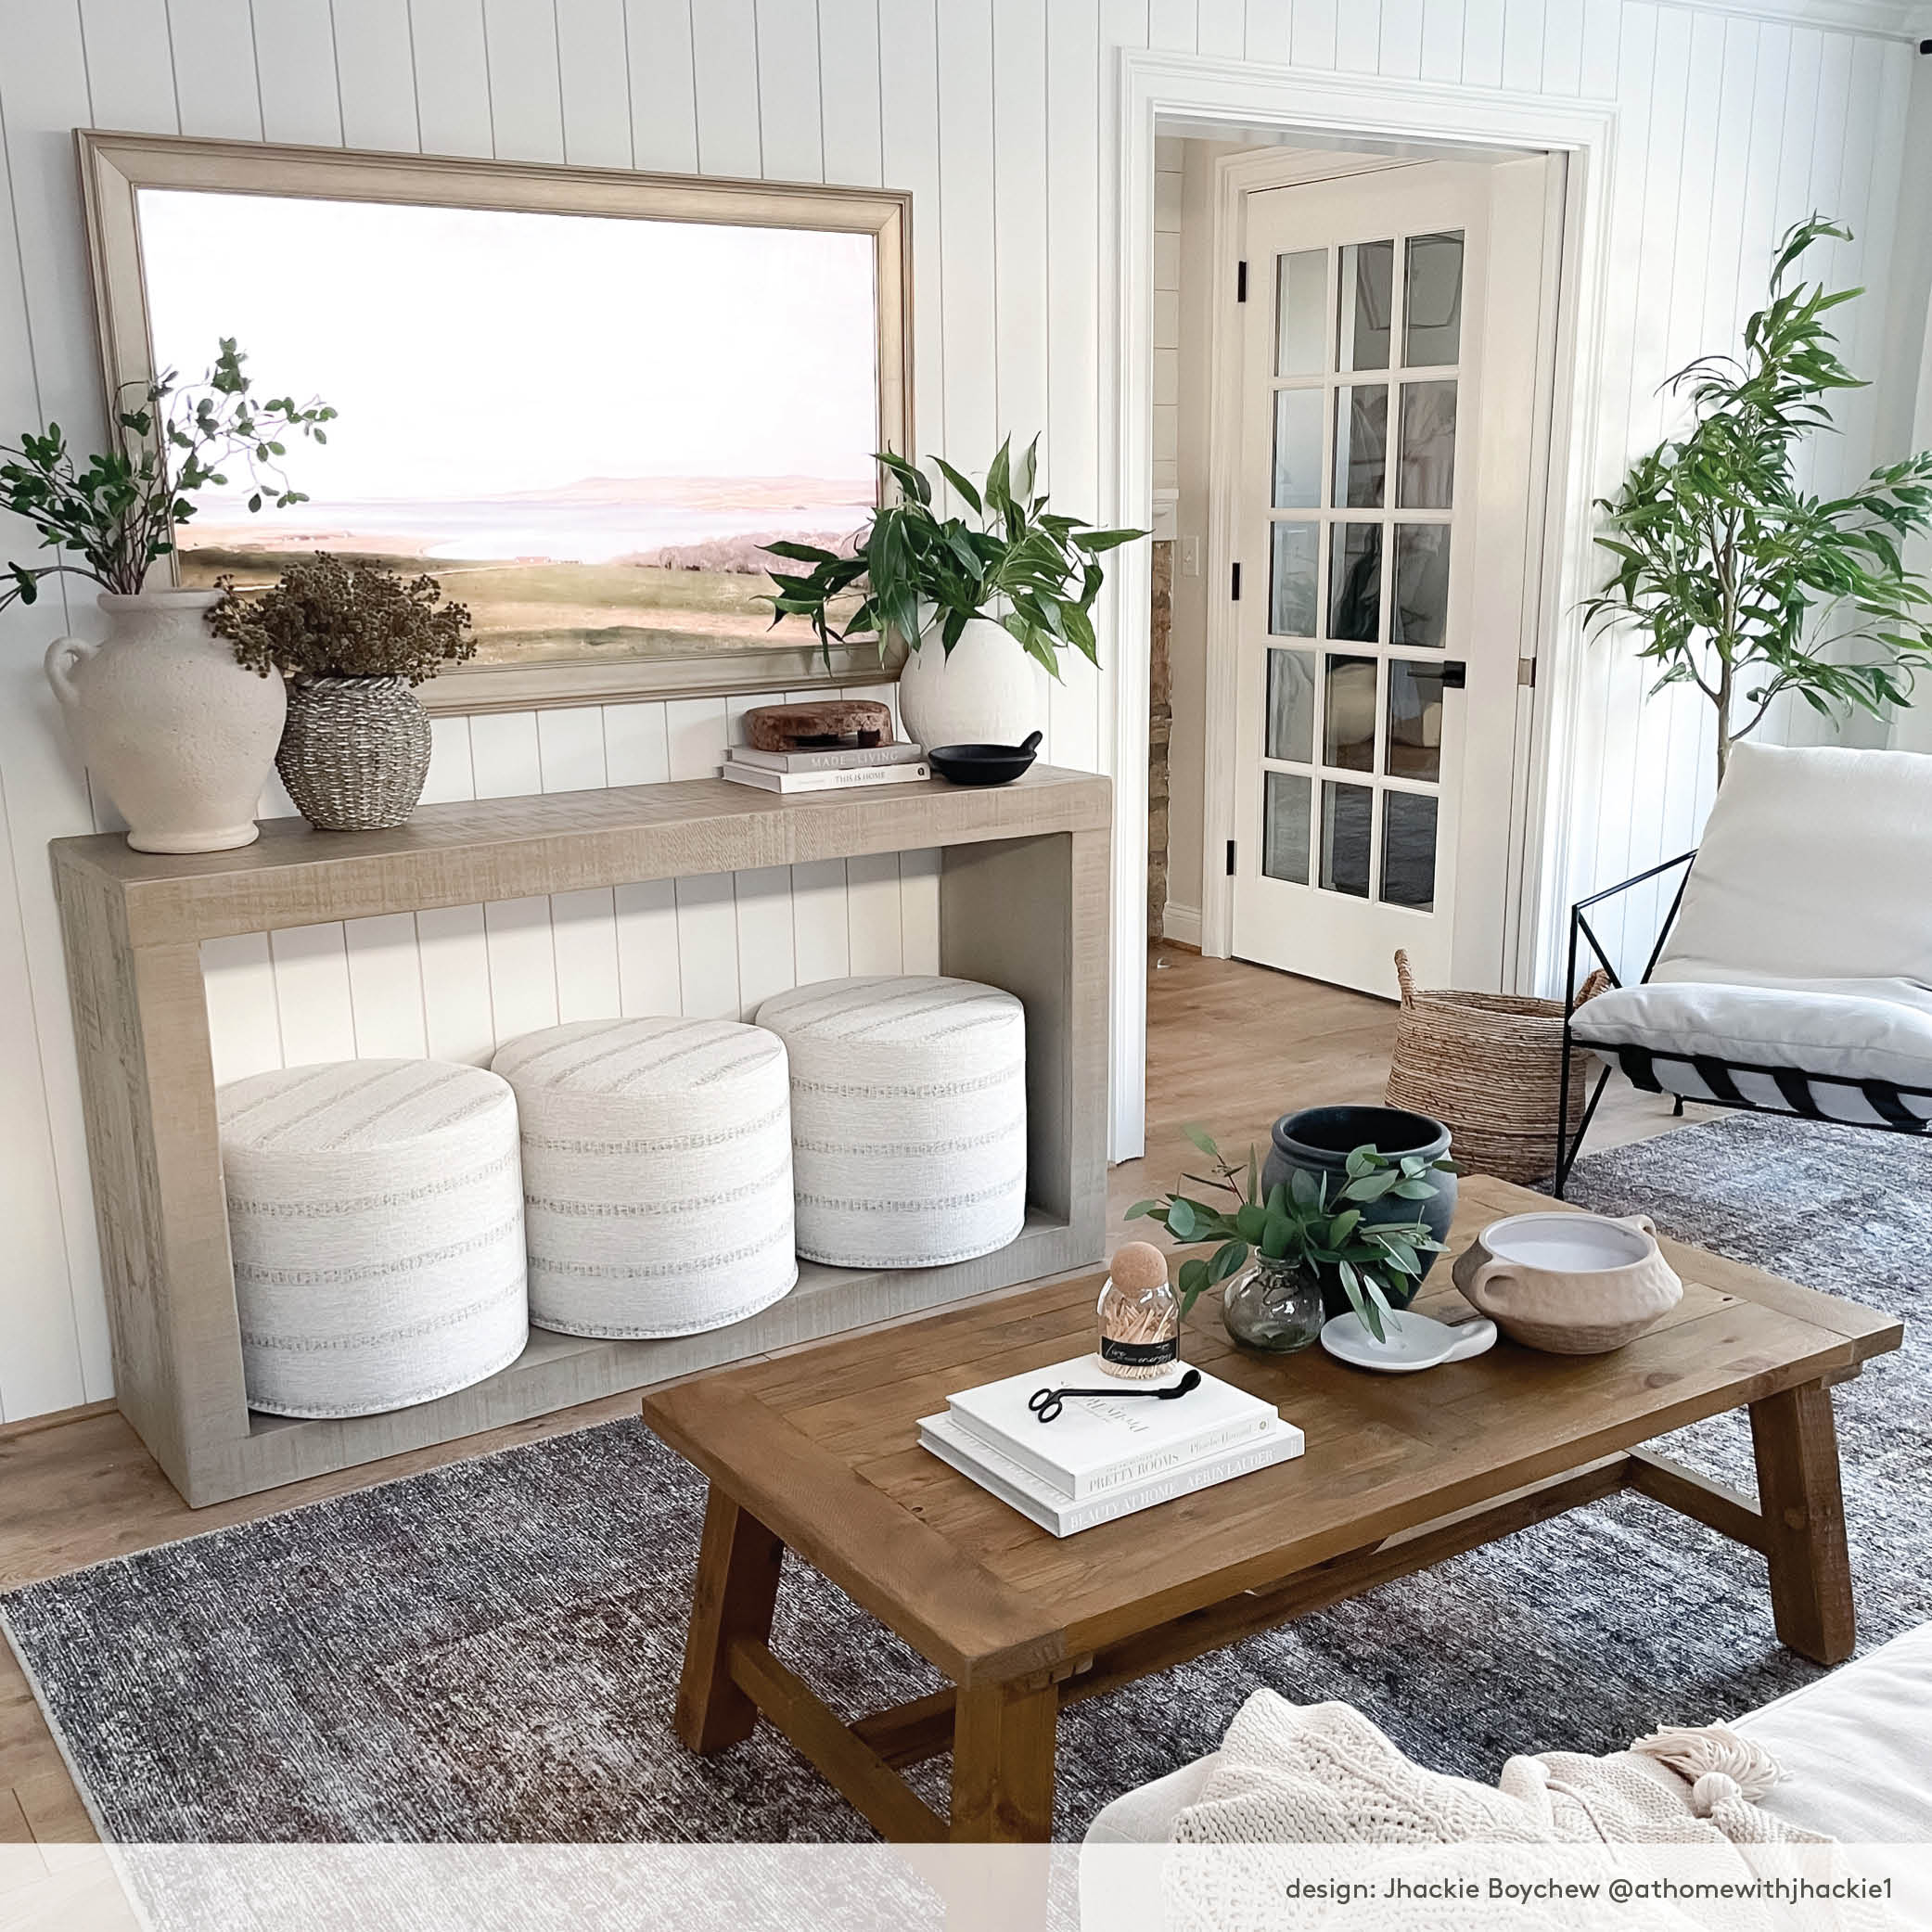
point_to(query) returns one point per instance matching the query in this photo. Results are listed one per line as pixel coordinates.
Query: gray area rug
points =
(489, 1651)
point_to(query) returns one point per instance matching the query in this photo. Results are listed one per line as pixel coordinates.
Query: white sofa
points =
(1796, 976)
(1855, 1748)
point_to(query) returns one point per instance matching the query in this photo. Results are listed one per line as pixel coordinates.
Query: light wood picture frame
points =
(652, 622)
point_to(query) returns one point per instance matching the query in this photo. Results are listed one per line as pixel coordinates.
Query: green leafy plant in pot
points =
(178, 737)
(1314, 1253)
(1737, 579)
(353, 641)
(1015, 582)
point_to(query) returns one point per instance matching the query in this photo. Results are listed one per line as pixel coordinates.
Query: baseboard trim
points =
(53, 1419)
(1182, 924)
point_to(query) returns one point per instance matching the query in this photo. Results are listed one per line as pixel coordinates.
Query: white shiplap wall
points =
(998, 115)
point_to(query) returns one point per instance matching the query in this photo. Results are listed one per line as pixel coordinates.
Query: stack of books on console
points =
(840, 768)
(1103, 1457)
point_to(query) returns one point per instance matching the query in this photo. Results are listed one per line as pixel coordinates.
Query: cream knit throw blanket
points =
(1322, 1775)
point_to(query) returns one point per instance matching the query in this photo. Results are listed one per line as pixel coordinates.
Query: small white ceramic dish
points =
(1414, 1342)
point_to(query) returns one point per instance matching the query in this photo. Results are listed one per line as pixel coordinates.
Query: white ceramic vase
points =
(180, 735)
(985, 692)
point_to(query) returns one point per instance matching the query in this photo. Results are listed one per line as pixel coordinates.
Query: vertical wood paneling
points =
(55, 1352)
(998, 116)
(375, 74)
(726, 81)
(453, 89)
(386, 987)
(663, 88)
(295, 58)
(526, 92)
(214, 67)
(791, 145)
(594, 71)
(1073, 329)
(849, 84)
(312, 994)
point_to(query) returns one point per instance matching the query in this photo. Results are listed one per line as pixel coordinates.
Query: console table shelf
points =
(1023, 904)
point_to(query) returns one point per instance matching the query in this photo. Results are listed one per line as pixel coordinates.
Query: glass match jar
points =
(1139, 1315)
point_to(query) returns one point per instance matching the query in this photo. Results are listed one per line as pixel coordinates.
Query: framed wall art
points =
(585, 400)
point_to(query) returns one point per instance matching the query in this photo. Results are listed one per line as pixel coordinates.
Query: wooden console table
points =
(1023, 904)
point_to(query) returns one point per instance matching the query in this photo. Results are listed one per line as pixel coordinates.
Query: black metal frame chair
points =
(1638, 1064)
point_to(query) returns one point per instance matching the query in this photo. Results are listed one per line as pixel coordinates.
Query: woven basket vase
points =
(355, 751)
(1488, 1066)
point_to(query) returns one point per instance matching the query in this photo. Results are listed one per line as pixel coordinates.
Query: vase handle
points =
(63, 654)
(1490, 1277)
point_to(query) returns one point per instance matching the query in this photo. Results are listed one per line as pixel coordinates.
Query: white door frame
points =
(1237, 96)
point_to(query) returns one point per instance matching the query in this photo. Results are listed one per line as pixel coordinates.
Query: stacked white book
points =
(840, 768)
(1103, 1457)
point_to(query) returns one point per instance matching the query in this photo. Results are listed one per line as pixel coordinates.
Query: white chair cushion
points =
(909, 1118)
(1856, 1029)
(376, 1214)
(1812, 867)
(657, 1170)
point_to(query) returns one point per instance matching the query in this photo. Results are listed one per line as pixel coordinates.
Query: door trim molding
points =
(1239, 97)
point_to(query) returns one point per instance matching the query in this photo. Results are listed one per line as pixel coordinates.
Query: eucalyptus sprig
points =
(1735, 579)
(1295, 1222)
(1035, 562)
(116, 513)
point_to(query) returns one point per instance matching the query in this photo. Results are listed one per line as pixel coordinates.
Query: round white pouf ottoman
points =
(657, 1173)
(376, 1215)
(908, 1116)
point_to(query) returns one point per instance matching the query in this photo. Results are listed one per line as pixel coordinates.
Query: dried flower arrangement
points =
(328, 618)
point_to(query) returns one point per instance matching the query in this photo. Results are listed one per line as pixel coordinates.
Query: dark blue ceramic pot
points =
(1318, 1140)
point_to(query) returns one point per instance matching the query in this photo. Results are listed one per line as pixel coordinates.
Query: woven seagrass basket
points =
(1489, 1067)
(355, 751)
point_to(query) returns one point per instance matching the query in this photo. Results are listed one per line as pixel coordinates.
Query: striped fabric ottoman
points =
(909, 1118)
(657, 1173)
(375, 1217)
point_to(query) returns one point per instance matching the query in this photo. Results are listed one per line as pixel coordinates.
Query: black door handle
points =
(1455, 675)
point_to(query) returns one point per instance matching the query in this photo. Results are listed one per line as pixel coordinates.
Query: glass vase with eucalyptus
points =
(1363, 1234)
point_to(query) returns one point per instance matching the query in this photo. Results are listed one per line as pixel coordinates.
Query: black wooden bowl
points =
(984, 764)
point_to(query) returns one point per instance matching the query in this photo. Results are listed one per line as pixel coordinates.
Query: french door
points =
(1362, 655)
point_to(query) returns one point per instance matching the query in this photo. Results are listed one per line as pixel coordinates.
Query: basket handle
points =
(1599, 981)
(1403, 976)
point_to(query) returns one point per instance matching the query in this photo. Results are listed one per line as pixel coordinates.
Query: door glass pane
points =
(1285, 810)
(1360, 444)
(1297, 449)
(1348, 715)
(1355, 582)
(1363, 310)
(1434, 299)
(1347, 812)
(1291, 706)
(1300, 312)
(1419, 612)
(1428, 465)
(1409, 850)
(1414, 748)
(1291, 579)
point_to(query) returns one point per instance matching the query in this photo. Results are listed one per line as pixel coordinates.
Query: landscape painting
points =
(586, 427)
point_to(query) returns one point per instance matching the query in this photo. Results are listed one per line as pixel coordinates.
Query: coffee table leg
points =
(1797, 1447)
(1003, 1764)
(737, 1585)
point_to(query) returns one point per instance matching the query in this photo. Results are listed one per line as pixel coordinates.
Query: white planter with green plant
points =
(1737, 578)
(976, 605)
(178, 734)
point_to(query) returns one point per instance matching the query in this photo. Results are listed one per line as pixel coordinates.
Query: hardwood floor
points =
(1230, 1047)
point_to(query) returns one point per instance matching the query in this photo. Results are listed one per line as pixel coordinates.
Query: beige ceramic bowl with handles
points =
(1569, 1284)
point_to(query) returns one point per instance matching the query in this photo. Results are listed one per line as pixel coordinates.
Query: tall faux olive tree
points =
(1737, 580)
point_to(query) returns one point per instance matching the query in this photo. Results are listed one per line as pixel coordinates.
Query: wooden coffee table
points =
(816, 1452)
